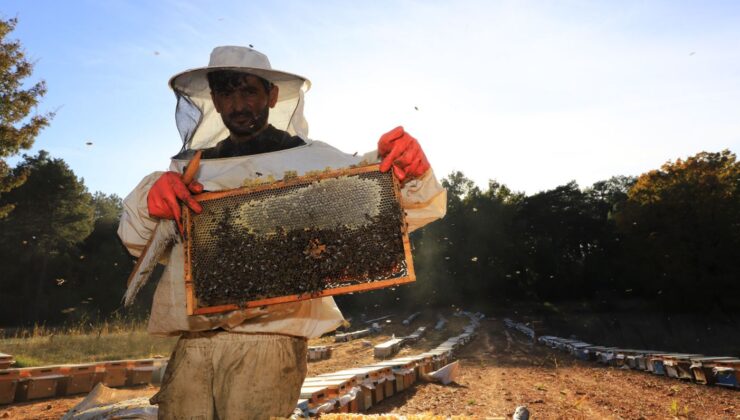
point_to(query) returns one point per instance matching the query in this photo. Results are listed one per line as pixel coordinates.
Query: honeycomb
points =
(299, 237)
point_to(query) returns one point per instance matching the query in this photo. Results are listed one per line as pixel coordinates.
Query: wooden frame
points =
(191, 300)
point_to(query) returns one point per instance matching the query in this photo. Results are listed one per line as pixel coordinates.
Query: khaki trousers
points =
(230, 376)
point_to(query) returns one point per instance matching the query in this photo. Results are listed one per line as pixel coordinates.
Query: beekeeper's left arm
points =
(422, 196)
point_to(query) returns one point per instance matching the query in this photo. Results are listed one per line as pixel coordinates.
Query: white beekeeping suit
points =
(423, 199)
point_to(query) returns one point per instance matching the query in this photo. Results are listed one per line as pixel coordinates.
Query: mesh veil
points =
(200, 126)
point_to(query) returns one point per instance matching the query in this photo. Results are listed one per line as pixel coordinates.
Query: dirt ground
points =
(500, 370)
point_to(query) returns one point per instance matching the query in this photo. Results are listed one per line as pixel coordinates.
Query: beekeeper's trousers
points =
(228, 376)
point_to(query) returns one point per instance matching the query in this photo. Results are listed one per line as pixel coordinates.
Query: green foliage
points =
(53, 213)
(54, 209)
(59, 251)
(682, 229)
(18, 128)
(666, 236)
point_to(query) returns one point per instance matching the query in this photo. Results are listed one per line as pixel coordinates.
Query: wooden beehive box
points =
(727, 373)
(386, 382)
(701, 367)
(678, 365)
(300, 238)
(115, 373)
(367, 379)
(388, 348)
(8, 383)
(139, 372)
(315, 394)
(6, 360)
(39, 382)
(403, 370)
(81, 378)
(335, 385)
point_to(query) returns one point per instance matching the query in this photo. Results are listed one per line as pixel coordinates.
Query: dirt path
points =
(499, 371)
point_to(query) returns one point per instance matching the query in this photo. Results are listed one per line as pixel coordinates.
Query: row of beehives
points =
(389, 348)
(357, 389)
(25, 384)
(707, 370)
(319, 353)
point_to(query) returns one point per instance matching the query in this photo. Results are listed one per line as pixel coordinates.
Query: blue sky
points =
(532, 94)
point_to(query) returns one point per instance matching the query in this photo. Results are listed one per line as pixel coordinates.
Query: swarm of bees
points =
(246, 266)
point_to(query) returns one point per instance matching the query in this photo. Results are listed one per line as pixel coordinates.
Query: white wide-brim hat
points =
(194, 82)
(204, 128)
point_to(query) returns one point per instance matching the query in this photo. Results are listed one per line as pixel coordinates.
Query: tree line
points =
(60, 257)
(669, 237)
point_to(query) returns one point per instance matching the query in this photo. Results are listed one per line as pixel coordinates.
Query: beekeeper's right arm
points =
(157, 196)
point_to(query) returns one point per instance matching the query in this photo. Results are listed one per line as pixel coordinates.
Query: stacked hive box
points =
(388, 348)
(8, 384)
(372, 381)
(139, 372)
(81, 378)
(39, 382)
(6, 361)
(678, 365)
(703, 368)
(416, 335)
(354, 335)
(318, 353)
(403, 371)
(727, 373)
(335, 389)
(115, 373)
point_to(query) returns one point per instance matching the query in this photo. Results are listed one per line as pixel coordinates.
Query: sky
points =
(532, 94)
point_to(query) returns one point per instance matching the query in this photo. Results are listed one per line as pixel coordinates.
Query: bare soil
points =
(501, 370)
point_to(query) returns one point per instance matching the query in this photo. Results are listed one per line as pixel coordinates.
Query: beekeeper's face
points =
(243, 101)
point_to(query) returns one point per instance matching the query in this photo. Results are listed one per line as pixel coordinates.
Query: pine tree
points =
(18, 128)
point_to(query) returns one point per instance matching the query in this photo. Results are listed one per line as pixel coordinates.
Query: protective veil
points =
(201, 126)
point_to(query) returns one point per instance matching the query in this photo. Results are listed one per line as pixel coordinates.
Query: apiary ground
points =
(499, 371)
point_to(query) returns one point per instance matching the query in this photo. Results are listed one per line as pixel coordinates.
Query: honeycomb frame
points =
(406, 274)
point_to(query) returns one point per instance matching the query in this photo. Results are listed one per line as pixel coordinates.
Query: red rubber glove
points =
(402, 152)
(163, 197)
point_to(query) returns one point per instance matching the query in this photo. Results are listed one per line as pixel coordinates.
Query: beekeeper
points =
(248, 120)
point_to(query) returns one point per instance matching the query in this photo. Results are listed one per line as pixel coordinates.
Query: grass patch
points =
(83, 343)
(23, 360)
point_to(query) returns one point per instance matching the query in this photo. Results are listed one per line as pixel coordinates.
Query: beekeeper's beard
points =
(245, 123)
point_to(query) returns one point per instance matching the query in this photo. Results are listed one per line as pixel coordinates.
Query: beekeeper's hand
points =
(166, 193)
(399, 150)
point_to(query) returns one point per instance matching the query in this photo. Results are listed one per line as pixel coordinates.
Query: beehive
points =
(8, 382)
(39, 382)
(304, 237)
(81, 378)
(115, 373)
(139, 372)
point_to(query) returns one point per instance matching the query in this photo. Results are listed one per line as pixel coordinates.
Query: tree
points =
(682, 223)
(18, 129)
(53, 213)
(100, 277)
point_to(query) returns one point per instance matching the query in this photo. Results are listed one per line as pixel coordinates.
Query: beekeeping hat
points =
(201, 126)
